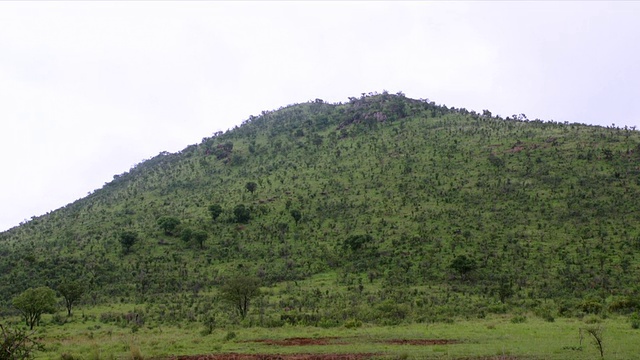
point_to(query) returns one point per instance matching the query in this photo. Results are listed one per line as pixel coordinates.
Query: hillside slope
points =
(384, 190)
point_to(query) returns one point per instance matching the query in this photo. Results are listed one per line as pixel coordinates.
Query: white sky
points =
(88, 89)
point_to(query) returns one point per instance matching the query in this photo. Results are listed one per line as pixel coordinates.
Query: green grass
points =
(492, 336)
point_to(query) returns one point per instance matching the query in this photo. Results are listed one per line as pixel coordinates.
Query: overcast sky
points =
(88, 89)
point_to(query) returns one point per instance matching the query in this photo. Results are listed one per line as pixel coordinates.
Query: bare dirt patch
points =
(276, 357)
(421, 342)
(494, 357)
(298, 341)
(516, 149)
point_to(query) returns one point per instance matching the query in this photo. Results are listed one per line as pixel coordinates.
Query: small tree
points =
(16, 344)
(251, 187)
(463, 265)
(200, 236)
(168, 224)
(596, 333)
(34, 302)
(127, 240)
(71, 292)
(296, 215)
(238, 291)
(215, 210)
(186, 234)
(356, 242)
(242, 214)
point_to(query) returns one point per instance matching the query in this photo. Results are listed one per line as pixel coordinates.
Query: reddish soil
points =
(276, 357)
(494, 357)
(318, 341)
(421, 342)
(297, 341)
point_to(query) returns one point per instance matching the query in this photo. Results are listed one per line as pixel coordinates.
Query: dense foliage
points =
(421, 212)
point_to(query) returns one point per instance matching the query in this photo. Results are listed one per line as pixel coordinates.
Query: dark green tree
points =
(200, 236)
(72, 292)
(215, 210)
(242, 214)
(463, 265)
(186, 234)
(504, 289)
(34, 302)
(168, 224)
(127, 239)
(296, 215)
(238, 291)
(356, 242)
(251, 187)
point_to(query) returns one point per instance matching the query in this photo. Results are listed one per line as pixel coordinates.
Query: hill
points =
(381, 209)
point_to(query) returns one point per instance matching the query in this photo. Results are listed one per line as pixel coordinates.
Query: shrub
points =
(591, 319)
(624, 304)
(17, 344)
(591, 306)
(635, 320)
(352, 323)
(230, 336)
(545, 312)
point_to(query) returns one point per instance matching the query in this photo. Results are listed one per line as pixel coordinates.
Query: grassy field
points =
(498, 337)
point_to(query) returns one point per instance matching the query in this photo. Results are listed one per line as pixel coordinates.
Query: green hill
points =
(381, 209)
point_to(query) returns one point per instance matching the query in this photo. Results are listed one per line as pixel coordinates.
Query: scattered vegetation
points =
(380, 211)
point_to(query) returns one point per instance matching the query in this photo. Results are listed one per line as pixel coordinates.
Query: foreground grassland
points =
(498, 337)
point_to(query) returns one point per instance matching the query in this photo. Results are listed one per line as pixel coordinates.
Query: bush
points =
(591, 319)
(16, 344)
(624, 304)
(545, 312)
(328, 323)
(352, 323)
(635, 320)
(591, 306)
(230, 336)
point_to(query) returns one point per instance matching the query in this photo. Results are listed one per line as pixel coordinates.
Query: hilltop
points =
(381, 209)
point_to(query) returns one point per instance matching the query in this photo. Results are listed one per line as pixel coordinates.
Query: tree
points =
(242, 214)
(356, 242)
(127, 240)
(463, 265)
(34, 302)
(251, 187)
(16, 344)
(238, 291)
(186, 235)
(296, 215)
(168, 224)
(71, 292)
(200, 236)
(215, 210)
